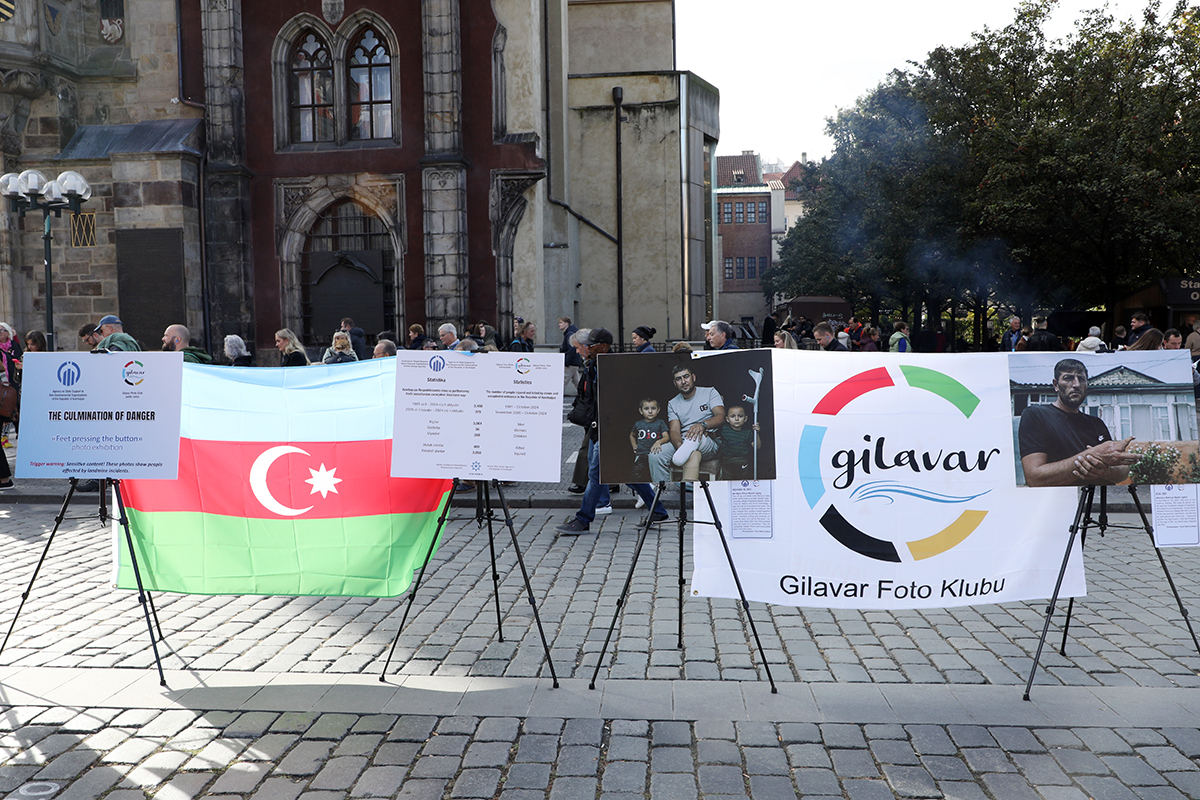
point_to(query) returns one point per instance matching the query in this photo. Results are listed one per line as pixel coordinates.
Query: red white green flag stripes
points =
(283, 488)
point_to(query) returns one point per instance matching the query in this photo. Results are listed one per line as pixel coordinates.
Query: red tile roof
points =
(728, 167)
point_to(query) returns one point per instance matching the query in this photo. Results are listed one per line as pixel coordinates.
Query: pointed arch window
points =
(310, 95)
(369, 87)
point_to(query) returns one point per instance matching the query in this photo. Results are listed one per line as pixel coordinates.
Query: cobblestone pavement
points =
(267, 700)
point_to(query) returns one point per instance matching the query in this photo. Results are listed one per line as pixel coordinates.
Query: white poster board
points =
(478, 416)
(1176, 511)
(100, 415)
(895, 489)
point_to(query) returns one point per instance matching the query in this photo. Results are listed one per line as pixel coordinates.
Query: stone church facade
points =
(259, 165)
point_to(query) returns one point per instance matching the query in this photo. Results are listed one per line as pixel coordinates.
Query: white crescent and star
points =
(322, 480)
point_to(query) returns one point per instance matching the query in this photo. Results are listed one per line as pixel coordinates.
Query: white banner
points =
(896, 489)
(100, 415)
(478, 415)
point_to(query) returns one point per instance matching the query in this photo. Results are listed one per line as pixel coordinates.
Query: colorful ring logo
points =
(813, 485)
(134, 373)
(523, 366)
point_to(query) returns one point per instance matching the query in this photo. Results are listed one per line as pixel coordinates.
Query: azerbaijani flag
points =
(283, 488)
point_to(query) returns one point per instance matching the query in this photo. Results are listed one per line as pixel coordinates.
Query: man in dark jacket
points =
(358, 339)
(571, 360)
(591, 344)
(177, 339)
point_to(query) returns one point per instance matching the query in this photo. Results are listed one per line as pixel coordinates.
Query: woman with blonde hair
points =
(340, 350)
(294, 354)
(784, 341)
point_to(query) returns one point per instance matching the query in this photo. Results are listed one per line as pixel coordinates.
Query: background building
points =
(749, 219)
(397, 162)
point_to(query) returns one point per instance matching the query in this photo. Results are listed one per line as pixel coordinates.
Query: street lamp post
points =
(30, 190)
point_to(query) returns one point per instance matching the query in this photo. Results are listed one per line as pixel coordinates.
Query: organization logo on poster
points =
(69, 373)
(843, 463)
(523, 366)
(437, 363)
(134, 373)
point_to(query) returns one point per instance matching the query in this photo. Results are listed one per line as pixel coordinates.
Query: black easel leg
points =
(508, 520)
(62, 514)
(1085, 498)
(682, 582)
(1087, 518)
(738, 581)
(1187, 620)
(637, 552)
(412, 590)
(103, 510)
(137, 575)
(485, 508)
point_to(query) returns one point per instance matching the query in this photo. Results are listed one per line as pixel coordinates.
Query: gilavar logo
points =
(854, 467)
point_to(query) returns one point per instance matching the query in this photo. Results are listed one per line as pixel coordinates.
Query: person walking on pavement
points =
(592, 343)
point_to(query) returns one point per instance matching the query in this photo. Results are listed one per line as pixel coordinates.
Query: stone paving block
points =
(305, 758)
(217, 754)
(270, 747)
(528, 776)
(250, 725)
(241, 778)
(1058, 737)
(1103, 741)
(857, 789)
(1016, 740)
(629, 727)
(757, 734)
(910, 781)
(379, 782)
(339, 773)
(709, 751)
(721, 780)
(92, 784)
(673, 786)
(497, 729)
(970, 736)
(544, 725)
(155, 769)
(1040, 770)
(842, 735)
(1078, 762)
(534, 747)
(799, 733)
(422, 790)
(186, 786)
(852, 764)
(436, 767)
(765, 761)
(131, 751)
(397, 753)
(293, 722)
(671, 734)
(412, 728)
(889, 751)
(583, 732)
(1068, 793)
(1186, 740)
(168, 723)
(67, 765)
(1141, 737)
(816, 782)
(12, 776)
(1166, 759)
(578, 760)
(1099, 787)
(445, 746)
(487, 754)
(330, 726)
(803, 756)
(771, 787)
(630, 748)
(624, 776)
(1133, 771)
(573, 789)
(476, 783)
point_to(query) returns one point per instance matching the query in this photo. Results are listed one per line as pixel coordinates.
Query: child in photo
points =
(738, 443)
(648, 435)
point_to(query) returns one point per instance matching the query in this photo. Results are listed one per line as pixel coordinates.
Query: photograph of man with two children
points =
(674, 417)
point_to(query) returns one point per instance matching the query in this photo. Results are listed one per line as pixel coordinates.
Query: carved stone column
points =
(444, 178)
(445, 223)
(226, 181)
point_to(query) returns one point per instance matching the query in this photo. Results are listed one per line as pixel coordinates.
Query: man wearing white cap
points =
(719, 335)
